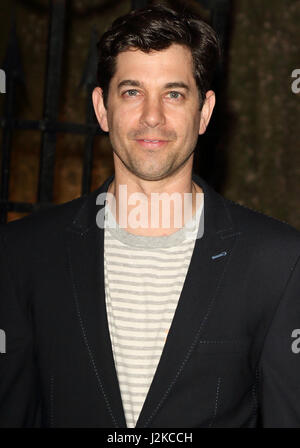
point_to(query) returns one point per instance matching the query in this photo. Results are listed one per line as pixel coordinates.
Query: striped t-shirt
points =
(144, 277)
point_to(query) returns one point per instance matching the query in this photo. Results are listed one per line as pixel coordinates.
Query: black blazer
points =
(231, 356)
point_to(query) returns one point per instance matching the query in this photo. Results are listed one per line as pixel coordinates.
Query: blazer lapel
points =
(206, 270)
(85, 242)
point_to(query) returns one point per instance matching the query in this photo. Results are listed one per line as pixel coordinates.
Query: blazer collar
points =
(85, 243)
(216, 215)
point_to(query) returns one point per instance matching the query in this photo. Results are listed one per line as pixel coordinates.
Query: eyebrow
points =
(169, 85)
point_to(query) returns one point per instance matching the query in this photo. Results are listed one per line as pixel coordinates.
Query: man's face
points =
(153, 115)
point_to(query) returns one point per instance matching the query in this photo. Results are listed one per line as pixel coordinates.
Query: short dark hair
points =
(156, 28)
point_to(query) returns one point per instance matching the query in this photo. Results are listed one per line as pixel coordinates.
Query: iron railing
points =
(49, 125)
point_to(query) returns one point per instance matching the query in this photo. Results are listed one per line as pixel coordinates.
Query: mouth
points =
(151, 143)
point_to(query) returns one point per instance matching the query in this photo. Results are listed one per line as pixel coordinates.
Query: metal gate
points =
(48, 125)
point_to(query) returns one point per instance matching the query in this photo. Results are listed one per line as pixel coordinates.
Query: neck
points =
(154, 208)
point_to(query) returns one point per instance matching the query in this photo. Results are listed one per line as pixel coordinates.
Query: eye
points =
(131, 92)
(175, 95)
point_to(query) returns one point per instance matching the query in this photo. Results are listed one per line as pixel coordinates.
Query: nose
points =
(152, 113)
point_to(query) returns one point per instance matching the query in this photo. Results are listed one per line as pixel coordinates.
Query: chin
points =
(152, 176)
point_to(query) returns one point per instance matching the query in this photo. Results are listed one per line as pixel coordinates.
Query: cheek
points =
(184, 120)
(187, 129)
(115, 124)
(121, 122)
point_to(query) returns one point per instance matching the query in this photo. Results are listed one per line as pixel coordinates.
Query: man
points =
(113, 324)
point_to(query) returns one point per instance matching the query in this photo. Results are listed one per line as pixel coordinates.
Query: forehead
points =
(171, 64)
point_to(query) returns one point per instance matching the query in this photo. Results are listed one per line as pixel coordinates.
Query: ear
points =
(207, 109)
(100, 111)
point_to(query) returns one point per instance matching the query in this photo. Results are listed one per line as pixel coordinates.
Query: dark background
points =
(251, 153)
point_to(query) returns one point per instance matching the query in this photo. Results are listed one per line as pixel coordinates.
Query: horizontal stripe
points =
(127, 341)
(149, 275)
(144, 302)
(133, 366)
(136, 347)
(136, 292)
(148, 258)
(146, 266)
(143, 321)
(138, 357)
(118, 279)
(133, 404)
(146, 316)
(127, 395)
(137, 329)
(135, 376)
(136, 386)
(136, 311)
(139, 344)
(162, 251)
(140, 338)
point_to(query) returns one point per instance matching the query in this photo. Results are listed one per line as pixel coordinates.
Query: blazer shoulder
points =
(259, 224)
(42, 222)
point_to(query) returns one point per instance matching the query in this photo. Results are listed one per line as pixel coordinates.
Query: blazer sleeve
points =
(279, 364)
(19, 396)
